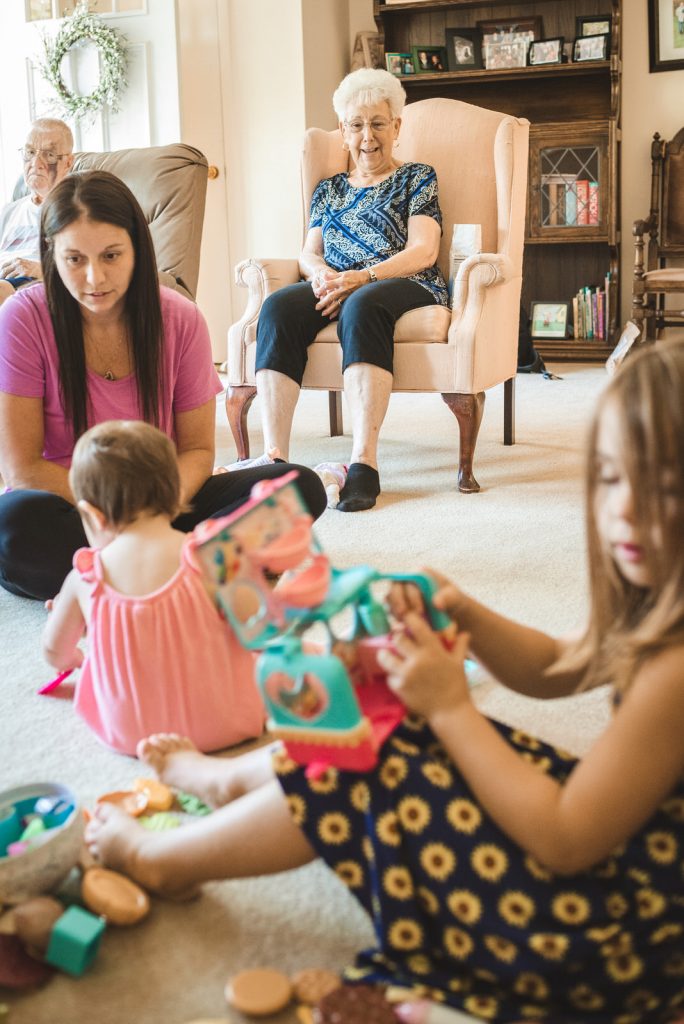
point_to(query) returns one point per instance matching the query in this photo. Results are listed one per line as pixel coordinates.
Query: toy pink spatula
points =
(54, 683)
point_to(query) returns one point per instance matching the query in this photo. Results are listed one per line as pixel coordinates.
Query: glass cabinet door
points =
(569, 184)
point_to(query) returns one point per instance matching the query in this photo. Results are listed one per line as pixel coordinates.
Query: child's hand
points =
(448, 597)
(406, 597)
(423, 674)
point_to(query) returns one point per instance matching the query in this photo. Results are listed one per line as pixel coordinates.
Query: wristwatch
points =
(372, 276)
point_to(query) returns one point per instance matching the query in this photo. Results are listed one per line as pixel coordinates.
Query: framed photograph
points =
(368, 51)
(507, 30)
(666, 35)
(508, 54)
(430, 60)
(549, 319)
(590, 48)
(400, 63)
(546, 51)
(592, 25)
(464, 49)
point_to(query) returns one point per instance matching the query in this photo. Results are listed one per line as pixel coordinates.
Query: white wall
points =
(284, 61)
(650, 103)
(325, 29)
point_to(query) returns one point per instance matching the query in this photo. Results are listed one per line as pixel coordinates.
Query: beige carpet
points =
(518, 545)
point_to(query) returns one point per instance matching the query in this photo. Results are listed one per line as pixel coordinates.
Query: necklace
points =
(107, 374)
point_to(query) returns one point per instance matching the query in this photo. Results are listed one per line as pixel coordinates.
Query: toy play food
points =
(159, 796)
(35, 919)
(118, 899)
(259, 992)
(133, 803)
(17, 969)
(313, 983)
(354, 1004)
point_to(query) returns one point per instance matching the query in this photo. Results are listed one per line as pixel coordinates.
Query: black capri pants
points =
(289, 322)
(40, 532)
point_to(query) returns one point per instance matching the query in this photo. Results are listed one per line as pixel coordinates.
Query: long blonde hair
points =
(628, 624)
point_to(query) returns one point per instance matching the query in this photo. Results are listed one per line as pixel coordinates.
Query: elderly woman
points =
(101, 340)
(369, 257)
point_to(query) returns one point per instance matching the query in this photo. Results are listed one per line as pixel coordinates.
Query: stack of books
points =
(572, 202)
(591, 312)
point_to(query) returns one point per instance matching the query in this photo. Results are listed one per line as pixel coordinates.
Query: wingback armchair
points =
(657, 277)
(170, 183)
(481, 161)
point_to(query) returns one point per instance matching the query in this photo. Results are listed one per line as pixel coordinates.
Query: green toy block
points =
(74, 940)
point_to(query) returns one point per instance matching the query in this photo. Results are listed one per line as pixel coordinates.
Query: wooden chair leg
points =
(509, 411)
(335, 410)
(238, 401)
(468, 411)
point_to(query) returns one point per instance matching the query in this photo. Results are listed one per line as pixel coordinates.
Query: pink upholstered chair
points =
(481, 161)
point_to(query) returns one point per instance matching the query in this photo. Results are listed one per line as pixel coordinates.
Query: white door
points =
(149, 107)
(203, 39)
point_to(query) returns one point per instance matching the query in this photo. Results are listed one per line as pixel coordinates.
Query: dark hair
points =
(126, 468)
(101, 196)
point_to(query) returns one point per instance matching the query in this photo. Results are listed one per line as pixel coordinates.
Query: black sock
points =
(361, 488)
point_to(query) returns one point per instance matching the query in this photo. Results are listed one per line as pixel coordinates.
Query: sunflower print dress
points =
(467, 918)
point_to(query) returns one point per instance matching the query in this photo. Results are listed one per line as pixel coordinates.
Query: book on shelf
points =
(582, 193)
(593, 203)
(590, 312)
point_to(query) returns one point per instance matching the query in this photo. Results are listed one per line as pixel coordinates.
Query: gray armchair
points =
(170, 183)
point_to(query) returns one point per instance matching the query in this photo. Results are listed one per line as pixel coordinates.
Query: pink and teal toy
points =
(326, 696)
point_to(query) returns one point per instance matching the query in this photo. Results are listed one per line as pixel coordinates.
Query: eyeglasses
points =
(378, 125)
(50, 158)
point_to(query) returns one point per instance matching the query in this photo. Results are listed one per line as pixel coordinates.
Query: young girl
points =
(160, 656)
(504, 877)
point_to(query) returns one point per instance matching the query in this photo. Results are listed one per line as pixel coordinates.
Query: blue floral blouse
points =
(363, 226)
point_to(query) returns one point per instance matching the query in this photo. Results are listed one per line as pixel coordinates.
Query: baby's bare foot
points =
(119, 842)
(179, 763)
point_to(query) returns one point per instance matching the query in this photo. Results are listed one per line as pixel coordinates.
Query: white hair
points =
(366, 87)
(53, 124)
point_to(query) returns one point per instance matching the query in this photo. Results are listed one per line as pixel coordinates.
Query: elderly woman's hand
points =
(336, 288)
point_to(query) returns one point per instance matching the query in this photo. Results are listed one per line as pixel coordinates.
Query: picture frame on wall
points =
(400, 64)
(464, 49)
(666, 35)
(588, 48)
(546, 51)
(549, 319)
(430, 60)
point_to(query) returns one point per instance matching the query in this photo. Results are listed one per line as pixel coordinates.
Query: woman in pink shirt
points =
(160, 655)
(100, 340)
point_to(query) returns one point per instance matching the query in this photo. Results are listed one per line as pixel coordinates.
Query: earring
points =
(345, 146)
(396, 143)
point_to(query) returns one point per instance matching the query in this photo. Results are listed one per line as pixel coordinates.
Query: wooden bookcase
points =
(574, 111)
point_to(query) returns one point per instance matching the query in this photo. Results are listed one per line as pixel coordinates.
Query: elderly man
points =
(47, 156)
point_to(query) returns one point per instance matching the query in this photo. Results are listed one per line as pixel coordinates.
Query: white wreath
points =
(83, 27)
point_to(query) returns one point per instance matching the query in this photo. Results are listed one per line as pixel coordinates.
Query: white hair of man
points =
(53, 124)
(366, 87)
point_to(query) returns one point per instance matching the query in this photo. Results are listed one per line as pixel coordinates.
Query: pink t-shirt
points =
(164, 662)
(29, 368)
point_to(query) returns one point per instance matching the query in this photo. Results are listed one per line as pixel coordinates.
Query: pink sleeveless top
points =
(164, 662)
